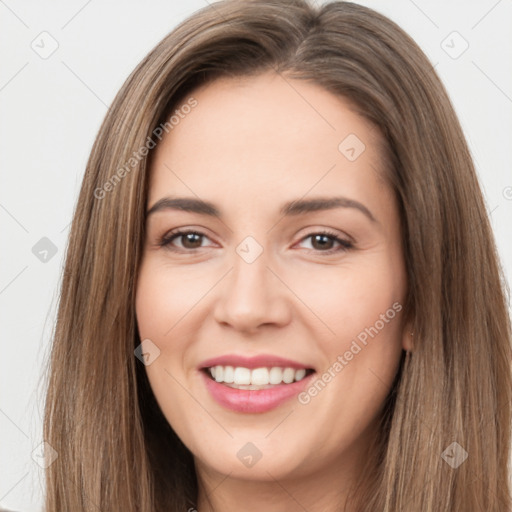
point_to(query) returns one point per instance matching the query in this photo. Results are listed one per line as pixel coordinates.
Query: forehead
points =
(251, 138)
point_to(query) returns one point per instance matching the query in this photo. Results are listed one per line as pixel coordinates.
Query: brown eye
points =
(327, 243)
(188, 240)
(322, 242)
(191, 240)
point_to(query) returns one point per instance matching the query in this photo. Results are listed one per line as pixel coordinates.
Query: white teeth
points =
(259, 377)
(300, 374)
(276, 375)
(219, 373)
(229, 374)
(288, 375)
(240, 376)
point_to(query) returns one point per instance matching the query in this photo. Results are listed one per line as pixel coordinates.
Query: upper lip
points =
(259, 361)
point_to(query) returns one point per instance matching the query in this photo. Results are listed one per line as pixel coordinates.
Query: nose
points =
(252, 296)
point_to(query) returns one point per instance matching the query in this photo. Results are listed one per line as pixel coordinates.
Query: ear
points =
(408, 337)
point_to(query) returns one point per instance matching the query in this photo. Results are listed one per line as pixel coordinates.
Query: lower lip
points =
(253, 400)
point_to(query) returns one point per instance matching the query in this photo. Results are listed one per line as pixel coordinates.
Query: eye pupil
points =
(190, 240)
(323, 240)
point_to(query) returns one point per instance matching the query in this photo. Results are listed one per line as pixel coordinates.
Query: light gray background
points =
(51, 109)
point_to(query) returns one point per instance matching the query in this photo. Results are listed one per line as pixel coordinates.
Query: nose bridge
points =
(252, 295)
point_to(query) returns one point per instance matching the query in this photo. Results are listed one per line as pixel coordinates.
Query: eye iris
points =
(191, 240)
(325, 241)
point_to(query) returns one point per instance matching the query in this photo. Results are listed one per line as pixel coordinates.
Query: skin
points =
(293, 301)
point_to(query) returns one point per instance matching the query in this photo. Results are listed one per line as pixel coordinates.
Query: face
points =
(273, 261)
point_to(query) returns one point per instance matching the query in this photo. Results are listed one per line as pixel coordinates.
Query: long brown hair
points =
(115, 449)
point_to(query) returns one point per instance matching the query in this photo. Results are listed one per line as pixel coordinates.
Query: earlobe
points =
(408, 338)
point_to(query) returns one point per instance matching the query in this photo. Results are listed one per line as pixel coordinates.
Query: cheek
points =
(165, 295)
(360, 305)
(161, 304)
(351, 298)
(363, 307)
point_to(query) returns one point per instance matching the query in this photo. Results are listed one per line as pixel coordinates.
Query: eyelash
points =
(344, 245)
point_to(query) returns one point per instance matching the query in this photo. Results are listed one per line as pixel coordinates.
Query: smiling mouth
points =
(239, 377)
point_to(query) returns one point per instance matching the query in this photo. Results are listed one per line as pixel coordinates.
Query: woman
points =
(281, 289)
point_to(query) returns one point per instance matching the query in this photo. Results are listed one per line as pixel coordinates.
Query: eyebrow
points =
(298, 207)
